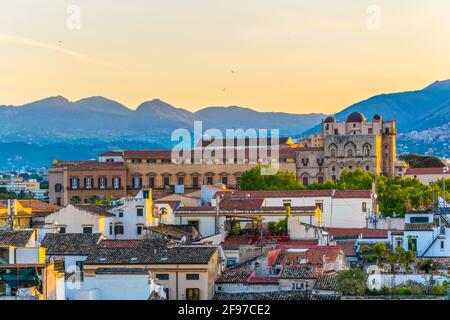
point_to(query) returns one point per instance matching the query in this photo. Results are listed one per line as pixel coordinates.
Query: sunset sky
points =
(296, 56)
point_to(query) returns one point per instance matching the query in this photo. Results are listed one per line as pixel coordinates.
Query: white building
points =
(82, 219)
(427, 234)
(340, 209)
(427, 175)
(73, 249)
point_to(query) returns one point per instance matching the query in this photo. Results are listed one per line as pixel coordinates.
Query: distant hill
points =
(55, 127)
(421, 109)
(423, 118)
(35, 133)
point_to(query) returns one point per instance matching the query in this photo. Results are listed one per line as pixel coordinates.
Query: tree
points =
(419, 161)
(351, 282)
(253, 180)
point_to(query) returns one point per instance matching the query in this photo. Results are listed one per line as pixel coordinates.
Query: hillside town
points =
(330, 216)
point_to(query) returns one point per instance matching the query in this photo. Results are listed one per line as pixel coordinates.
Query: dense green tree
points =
(351, 282)
(254, 180)
(420, 161)
(394, 195)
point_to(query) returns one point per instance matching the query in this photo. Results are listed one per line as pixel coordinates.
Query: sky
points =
(296, 56)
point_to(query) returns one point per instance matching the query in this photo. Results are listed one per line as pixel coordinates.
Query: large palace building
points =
(348, 145)
(355, 143)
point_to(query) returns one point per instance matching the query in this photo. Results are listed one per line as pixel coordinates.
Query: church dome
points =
(356, 117)
(377, 117)
(330, 119)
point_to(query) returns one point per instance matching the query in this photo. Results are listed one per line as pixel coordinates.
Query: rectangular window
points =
(209, 180)
(62, 229)
(102, 183)
(151, 161)
(151, 182)
(136, 161)
(336, 131)
(162, 276)
(140, 212)
(192, 276)
(110, 229)
(118, 229)
(88, 183)
(442, 245)
(364, 207)
(238, 181)
(74, 182)
(418, 220)
(58, 201)
(87, 229)
(192, 294)
(195, 182)
(287, 203)
(139, 230)
(166, 181)
(120, 214)
(180, 180)
(225, 180)
(166, 291)
(137, 182)
(116, 183)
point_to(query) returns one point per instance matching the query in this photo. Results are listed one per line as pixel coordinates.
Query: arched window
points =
(350, 153)
(366, 150)
(333, 152)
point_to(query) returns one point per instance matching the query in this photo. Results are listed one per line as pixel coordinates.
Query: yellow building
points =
(19, 213)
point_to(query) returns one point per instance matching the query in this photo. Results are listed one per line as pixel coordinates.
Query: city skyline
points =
(265, 55)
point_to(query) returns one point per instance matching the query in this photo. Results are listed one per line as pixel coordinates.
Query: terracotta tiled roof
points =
(79, 244)
(348, 247)
(248, 204)
(326, 282)
(275, 295)
(16, 238)
(315, 255)
(413, 171)
(235, 276)
(37, 205)
(352, 194)
(97, 209)
(130, 243)
(355, 232)
(234, 242)
(151, 251)
(418, 226)
(296, 272)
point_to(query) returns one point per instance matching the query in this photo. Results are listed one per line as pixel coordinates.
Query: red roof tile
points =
(37, 205)
(413, 171)
(348, 247)
(355, 232)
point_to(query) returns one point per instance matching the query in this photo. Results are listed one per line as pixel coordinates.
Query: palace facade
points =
(346, 145)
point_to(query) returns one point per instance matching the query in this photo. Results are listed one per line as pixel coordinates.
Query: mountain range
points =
(35, 133)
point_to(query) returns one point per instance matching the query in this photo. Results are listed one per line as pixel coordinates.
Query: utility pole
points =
(217, 214)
